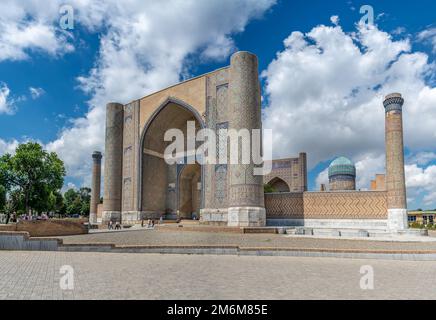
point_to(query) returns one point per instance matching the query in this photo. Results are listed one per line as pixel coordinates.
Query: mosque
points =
(139, 184)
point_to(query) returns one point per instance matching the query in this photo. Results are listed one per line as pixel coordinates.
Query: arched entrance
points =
(189, 191)
(279, 185)
(161, 193)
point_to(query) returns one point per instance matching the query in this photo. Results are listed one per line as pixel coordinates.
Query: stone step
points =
(259, 230)
(329, 232)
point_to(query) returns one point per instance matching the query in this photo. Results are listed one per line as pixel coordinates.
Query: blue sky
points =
(73, 72)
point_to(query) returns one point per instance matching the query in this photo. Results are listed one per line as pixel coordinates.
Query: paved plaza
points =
(36, 275)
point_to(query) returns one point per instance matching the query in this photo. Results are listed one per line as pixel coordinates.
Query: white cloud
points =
(6, 102)
(8, 146)
(68, 186)
(399, 31)
(144, 47)
(428, 36)
(422, 158)
(367, 167)
(422, 181)
(27, 26)
(36, 92)
(322, 178)
(334, 20)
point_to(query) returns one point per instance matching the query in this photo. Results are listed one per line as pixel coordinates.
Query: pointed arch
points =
(279, 185)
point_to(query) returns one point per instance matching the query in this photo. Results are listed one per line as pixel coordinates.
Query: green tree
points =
(85, 195)
(268, 189)
(34, 173)
(69, 200)
(2, 198)
(56, 203)
(77, 201)
(4, 186)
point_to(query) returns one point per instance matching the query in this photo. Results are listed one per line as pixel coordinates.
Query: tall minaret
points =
(395, 177)
(246, 199)
(113, 162)
(96, 186)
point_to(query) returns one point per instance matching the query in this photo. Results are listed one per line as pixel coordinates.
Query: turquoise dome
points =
(342, 166)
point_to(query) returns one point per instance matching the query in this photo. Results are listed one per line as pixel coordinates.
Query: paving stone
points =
(36, 275)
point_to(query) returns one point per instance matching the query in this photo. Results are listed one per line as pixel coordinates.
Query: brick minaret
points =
(113, 162)
(96, 185)
(395, 177)
(246, 199)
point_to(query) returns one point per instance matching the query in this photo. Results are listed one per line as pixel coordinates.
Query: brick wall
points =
(48, 228)
(327, 205)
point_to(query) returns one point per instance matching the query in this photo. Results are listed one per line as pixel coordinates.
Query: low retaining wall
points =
(48, 228)
(22, 241)
(365, 224)
(345, 205)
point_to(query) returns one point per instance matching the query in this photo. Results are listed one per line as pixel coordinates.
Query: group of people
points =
(150, 223)
(111, 226)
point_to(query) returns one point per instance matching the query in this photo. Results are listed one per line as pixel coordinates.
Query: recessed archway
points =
(279, 185)
(158, 191)
(189, 191)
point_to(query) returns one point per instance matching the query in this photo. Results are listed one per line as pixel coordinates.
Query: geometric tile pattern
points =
(327, 205)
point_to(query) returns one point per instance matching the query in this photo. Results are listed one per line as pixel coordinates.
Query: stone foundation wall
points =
(327, 205)
(48, 228)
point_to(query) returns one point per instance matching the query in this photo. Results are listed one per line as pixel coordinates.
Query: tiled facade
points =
(142, 185)
(288, 175)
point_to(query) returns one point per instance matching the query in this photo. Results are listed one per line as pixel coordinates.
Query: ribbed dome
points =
(342, 166)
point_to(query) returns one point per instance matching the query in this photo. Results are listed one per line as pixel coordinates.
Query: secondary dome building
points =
(342, 175)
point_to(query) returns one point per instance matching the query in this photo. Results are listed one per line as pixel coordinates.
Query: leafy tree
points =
(16, 202)
(59, 205)
(85, 195)
(32, 174)
(77, 201)
(4, 186)
(2, 198)
(268, 189)
(56, 203)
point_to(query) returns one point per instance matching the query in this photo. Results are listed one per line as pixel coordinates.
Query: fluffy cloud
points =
(6, 103)
(27, 26)
(428, 36)
(422, 158)
(8, 146)
(421, 182)
(145, 46)
(322, 178)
